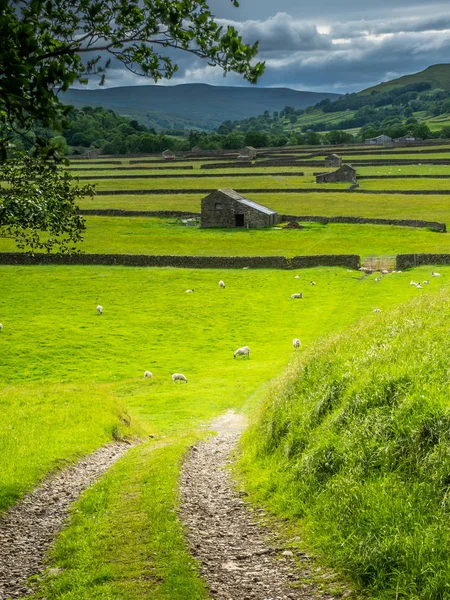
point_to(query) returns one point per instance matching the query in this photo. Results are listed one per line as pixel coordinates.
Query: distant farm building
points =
(380, 139)
(168, 155)
(249, 152)
(93, 154)
(333, 160)
(227, 208)
(344, 173)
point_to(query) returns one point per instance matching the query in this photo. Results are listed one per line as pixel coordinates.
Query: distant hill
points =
(437, 75)
(192, 105)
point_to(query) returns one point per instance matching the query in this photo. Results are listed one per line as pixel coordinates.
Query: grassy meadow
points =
(71, 380)
(352, 444)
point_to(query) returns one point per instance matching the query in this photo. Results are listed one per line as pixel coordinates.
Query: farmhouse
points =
(333, 160)
(227, 208)
(380, 139)
(344, 173)
(168, 155)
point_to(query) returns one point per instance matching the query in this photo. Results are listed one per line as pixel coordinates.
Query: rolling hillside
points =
(192, 105)
(437, 75)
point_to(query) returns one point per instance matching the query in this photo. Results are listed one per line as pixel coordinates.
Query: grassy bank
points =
(353, 443)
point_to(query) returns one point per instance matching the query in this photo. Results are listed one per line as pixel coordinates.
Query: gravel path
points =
(28, 529)
(237, 560)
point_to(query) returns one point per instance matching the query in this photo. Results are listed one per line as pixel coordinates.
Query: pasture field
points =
(71, 380)
(143, 235)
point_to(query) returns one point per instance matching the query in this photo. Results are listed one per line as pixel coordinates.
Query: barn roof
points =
(242, 200)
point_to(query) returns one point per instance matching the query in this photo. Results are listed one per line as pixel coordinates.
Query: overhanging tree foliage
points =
(47, 45)
(38, 206)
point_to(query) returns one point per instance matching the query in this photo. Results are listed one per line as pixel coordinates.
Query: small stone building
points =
(249, 152)
(380, 139)
(168, 155)
(93, 153)
(227, 208)
(344, 173)
(333, 160)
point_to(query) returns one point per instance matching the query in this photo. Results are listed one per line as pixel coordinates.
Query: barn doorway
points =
(239, 220)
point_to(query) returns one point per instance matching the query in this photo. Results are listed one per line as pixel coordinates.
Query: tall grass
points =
(353, 442)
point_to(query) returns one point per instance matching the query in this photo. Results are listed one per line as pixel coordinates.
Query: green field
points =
(81, 368)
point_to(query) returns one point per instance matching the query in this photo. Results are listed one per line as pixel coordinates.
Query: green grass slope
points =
(354, 442)
(437, 75)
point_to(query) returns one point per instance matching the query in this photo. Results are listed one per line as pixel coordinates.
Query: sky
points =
(324, 45)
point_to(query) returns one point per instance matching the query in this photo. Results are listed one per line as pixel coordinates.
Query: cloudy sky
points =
(326, 45)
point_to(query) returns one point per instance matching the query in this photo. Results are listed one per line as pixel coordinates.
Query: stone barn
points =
(249, 152)
(168, 155)
(344, 173)
(227, 208)
(333, 160)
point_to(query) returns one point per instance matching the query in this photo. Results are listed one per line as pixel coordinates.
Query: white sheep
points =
(189, 291)
(426, 282)
(178, 377)
(244, 351)
(377, 310)
(433, 274)
(418, 286)
(296, 343)
(1, 327)
(100, 309)
(377, 279)
(148, 375)
(413, 282)
(221, 284)
(300, 295)
(312, 283)
(297, 277)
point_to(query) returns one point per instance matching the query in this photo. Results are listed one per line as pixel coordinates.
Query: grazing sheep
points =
(433, 274)
(178, 377)
(148, 375)
(418, 286)
(189, 291)
(296, 343)
(1, 327)
(300, 295)
(426, 282)
(377, 310)
(297, 277)
(413, 282)
(244, 351)
(312, 283)
(221, 284)
(100, 309)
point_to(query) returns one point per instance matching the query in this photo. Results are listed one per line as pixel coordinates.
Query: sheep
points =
(244, 351)
(178, 377)
(312, 283)
(418, 286)
(433, 274)
(377, 279)
(297, 277)
(189, 291)
(377, 310)
(148, 375)
(385, 272)
(100, 309)
(221, 284)
(300, 295)
(413, 282)
(426, 282)
(1, 327)
(296, 343)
